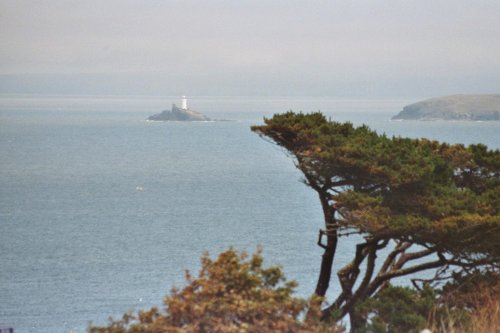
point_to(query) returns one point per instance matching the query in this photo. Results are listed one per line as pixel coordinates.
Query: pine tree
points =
(428, 205)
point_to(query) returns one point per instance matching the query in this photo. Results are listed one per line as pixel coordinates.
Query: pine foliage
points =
(436, 204)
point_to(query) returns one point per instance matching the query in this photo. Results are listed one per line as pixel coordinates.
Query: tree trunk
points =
(326, 265)
(355, 320)
(330, 247)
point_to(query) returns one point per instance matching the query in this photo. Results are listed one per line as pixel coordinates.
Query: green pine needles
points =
(427, 205)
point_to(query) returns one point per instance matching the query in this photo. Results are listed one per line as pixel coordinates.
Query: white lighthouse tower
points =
(184, 103)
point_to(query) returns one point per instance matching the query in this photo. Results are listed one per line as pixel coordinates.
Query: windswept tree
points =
(427, 205)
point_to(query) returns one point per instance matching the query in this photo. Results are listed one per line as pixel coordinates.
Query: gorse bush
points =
(233, 293)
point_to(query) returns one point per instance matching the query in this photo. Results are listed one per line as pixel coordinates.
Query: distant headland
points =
(179, 114)
(455, 107)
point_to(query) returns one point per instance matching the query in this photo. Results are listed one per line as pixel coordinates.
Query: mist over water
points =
(102, 211)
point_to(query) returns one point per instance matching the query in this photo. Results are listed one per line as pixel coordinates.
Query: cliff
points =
(456, 107)
(177, 114)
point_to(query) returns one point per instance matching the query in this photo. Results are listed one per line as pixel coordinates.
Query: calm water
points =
(101, 211)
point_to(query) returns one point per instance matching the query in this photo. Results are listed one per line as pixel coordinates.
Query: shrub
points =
(396, 310)
(233, 293)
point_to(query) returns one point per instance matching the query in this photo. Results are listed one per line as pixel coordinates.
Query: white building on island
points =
(184, 103)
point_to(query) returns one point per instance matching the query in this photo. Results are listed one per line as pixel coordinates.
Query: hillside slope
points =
(456, 107)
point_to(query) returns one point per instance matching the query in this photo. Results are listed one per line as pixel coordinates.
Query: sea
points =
(102, 211)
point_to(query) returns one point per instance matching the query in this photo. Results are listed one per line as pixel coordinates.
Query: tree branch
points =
(401, 247)
(382, 278)
(406, 257)
(360, 292)
(348, 275)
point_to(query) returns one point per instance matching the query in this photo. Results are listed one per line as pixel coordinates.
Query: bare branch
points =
(400, 247)
(406, 257)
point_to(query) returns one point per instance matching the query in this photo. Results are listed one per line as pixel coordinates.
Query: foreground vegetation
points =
(418, 205)
(233, 293)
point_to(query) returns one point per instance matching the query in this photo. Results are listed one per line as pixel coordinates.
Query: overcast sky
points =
(330, 48)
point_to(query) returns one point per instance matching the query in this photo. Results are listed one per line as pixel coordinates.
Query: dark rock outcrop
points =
(178, 114)
(456, 107)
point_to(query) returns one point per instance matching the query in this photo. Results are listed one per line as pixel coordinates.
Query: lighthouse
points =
(184, 103)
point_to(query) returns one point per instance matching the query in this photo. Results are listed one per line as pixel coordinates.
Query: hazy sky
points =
(333, 48)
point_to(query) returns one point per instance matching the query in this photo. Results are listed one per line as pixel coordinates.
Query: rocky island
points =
(456, 107)
(179, 114)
